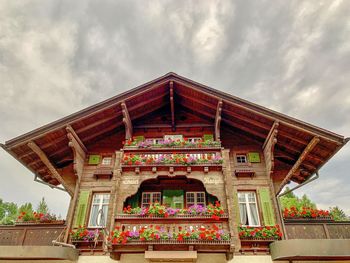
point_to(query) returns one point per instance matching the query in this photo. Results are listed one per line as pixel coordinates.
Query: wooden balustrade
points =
(30, 235)
(318, 230)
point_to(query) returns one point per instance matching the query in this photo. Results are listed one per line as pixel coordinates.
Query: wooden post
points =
(295, 167)
(79, 153)
(218, 120)
(127, 121)
(172, 106)
(115, 189)
(232, 211)
(35, 148)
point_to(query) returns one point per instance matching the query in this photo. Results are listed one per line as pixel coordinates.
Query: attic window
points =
(241, 158)
(107, 161)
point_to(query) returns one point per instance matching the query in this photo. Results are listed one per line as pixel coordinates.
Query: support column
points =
(79, 154)
(232, 211)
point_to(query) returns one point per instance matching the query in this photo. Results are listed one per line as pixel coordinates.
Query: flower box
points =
(35, 222)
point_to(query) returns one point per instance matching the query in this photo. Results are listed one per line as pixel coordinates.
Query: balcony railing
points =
(30, 235)
(202, 237)
(318, 230)
(171, 144)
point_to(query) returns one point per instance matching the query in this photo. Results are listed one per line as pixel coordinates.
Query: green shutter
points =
(266, 207)
(211, 199)
(139, 138)
(173, 198)
(94, 159)
(236, 208)
(134, 201)
(254, 157)
(208, 137)
(81, 208)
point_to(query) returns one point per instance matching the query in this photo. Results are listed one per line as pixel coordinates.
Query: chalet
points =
(175, 171)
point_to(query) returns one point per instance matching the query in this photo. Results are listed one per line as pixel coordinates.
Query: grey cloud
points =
(57, 57)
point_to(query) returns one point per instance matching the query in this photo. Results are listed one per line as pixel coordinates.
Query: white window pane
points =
(243, 214)
(93, 215)
(254, 221)
(241, 197)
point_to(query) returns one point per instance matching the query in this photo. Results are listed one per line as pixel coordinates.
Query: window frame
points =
(240, 155)
(195, 201)
(247, 203)
(100, 207)
(107, 157)
(151, 198)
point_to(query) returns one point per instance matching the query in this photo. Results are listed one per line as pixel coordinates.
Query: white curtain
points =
(243, 214)
(254, 215)
(94, 215)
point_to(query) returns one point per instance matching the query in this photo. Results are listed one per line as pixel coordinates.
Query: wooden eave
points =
(104, 118)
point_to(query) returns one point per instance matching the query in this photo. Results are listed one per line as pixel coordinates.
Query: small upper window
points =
(194, 139)
(241, 158)
(107, 161)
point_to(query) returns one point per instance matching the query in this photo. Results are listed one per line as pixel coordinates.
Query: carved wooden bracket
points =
(35, 148)
(172, 106)
(127, 122)
(79, 151)
(298, 163)
(218, 120)
(269, 148)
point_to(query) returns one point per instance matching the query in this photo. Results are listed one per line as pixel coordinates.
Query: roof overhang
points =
(108, 117)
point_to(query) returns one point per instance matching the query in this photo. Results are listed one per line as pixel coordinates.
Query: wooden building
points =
(171, 171)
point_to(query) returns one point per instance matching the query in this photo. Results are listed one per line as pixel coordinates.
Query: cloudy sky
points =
(57, 57)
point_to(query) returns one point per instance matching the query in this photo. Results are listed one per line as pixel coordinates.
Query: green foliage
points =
(8, 213)
(291, 200)
(42, 207)
(338, 214)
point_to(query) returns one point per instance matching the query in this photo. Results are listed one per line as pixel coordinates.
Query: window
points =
(195, 198)
(150, 198)
(99, 210)
(173, 198)
(241, 158)
(194, 139)
(155, 140)
(173, 137)
(248, 209)
(107, 161)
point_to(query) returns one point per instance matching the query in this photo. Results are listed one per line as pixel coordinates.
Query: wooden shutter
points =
(94, 159)
(254, 157)
(266, 207)
(139, 138)
(80, 212)
(236, 207)
(208, 137)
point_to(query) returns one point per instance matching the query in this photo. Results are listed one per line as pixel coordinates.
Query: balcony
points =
(34, 242)
(170, 145)
(313, 240)
(188, 162)
(158, 228)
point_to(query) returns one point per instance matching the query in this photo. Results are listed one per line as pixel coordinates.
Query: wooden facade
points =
(254, 154)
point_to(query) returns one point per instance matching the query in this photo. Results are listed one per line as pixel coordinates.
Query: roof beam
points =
(35, 148)
(172, 106)
(72, 134)
(218, 120)
(271, 133)
(127, 121)
(297, 164)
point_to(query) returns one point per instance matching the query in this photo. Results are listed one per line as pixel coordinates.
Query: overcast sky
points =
(57, 57)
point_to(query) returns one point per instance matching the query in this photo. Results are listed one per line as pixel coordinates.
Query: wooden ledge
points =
(311, 249)
(171, 256)
(38, 253)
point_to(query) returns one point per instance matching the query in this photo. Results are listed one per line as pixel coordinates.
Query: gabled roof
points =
(106, 117)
